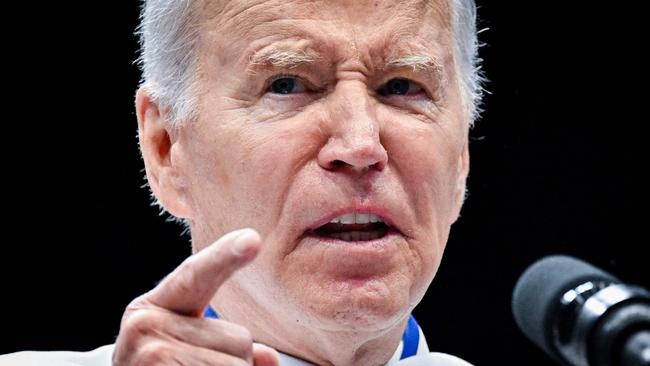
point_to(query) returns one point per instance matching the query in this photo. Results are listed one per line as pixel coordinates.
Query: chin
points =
(367, 304)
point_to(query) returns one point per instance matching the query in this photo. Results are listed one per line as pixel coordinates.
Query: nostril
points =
(379, 166)
(337, 164)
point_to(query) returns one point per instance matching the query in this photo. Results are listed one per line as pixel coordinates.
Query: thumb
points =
(265, 356)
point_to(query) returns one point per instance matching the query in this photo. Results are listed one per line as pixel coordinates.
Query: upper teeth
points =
(356, 218)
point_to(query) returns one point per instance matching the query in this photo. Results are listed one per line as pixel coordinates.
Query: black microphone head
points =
(537, 294)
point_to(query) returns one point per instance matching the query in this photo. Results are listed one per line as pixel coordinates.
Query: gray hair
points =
(169, 34)
(467, 60)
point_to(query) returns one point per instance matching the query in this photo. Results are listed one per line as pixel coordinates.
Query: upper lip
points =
(383, 213)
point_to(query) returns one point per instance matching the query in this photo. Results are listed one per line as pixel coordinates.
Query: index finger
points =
(190, 287)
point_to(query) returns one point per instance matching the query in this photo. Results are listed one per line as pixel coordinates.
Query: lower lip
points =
(387, 239)
(354, 263)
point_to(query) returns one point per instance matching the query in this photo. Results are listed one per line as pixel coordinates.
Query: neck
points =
(319, 345)
(326, 347)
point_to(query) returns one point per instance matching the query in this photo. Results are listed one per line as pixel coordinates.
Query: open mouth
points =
(354, 227)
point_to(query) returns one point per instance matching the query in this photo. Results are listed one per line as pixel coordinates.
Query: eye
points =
(287, 85)
(400, 87)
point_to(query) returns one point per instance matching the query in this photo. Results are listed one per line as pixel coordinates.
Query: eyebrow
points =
(291, 59)
(288, 59)
(417, 62)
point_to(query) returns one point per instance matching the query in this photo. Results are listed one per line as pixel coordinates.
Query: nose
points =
(354, 133)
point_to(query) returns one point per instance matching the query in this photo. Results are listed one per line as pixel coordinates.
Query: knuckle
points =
(241, 339)
(155, 353)
(185, 278)
(135, 305)
(142, 322)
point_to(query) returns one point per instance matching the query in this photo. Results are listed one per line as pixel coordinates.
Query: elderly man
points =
(335, 134)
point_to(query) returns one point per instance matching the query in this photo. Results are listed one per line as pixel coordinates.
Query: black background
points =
(558, 166)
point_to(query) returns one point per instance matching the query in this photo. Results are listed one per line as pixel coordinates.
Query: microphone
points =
(581, 315)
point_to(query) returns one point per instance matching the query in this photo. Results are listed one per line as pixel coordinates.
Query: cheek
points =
(273, 155)
(425, 158)
(427, 166)
(251, 168)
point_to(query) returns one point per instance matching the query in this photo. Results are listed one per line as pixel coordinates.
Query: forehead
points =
(338, 27)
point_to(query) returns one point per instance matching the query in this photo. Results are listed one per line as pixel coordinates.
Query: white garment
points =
(102, 357)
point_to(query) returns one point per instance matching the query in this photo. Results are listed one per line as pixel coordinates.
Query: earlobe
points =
(157, 147)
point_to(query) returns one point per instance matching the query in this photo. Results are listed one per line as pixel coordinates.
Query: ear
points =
(160, 152)
(461, 183)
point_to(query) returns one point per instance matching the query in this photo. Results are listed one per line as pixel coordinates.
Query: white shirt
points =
(103, 357)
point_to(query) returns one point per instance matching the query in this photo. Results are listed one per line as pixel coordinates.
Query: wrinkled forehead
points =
(249, 13)
(379, 25)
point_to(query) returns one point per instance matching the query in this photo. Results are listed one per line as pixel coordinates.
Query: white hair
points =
(467, 60)
(169, 35)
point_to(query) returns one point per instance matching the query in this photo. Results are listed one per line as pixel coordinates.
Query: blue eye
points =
(286, 85)
(399, 87)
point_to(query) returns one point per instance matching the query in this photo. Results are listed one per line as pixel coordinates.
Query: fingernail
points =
(275, 357)
(274, 352)
(244, 241)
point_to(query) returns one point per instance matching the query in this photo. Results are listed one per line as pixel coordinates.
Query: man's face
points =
(310, 111)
